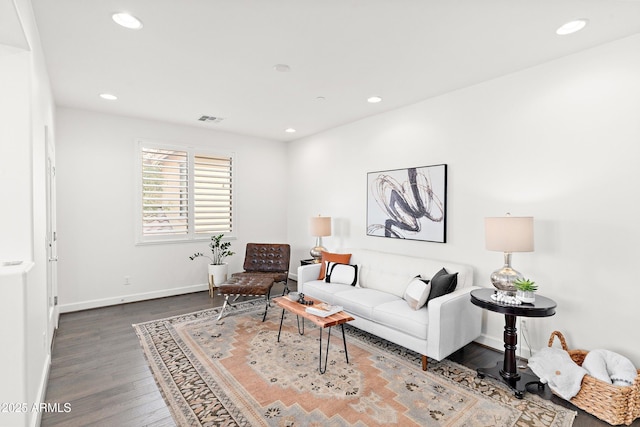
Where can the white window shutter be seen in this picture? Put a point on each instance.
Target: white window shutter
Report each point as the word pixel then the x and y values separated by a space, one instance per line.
pixel 213 191
pixel 165 192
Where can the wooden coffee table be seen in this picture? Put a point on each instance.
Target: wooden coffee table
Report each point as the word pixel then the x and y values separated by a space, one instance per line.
pixel 298 309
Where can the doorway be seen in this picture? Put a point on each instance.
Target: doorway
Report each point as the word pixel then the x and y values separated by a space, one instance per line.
pixel 52 252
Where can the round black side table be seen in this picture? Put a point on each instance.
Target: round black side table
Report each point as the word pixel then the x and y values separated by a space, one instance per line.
pixel 542 307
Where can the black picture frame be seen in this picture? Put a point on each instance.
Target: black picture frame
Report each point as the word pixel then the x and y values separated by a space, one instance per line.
pixel 409 203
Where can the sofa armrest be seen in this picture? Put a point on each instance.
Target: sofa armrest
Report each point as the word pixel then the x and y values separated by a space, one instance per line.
pixel 307 273
pixel 453 323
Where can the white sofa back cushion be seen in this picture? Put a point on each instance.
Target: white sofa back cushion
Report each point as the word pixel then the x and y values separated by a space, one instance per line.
pixel 392 273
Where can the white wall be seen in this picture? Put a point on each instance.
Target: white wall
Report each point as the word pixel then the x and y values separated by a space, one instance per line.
pixel 15 154
pixel 26 108
pixel 96 156
pixel 559 142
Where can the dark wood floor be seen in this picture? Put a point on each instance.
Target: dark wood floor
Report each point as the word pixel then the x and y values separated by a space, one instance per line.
pixel 99 368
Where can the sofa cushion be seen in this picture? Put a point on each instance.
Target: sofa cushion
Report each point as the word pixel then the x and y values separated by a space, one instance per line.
pixel 392 272
pixel 341 273
pixel 417 292
pixel 397 315
pixel 324 291
pixel 385 272
pixel 361 301
pixel 442 283
pixel 328 256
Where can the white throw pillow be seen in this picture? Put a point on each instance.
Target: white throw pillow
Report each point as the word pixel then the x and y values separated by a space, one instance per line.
pixel 417 292
pixel 345 274
pixel 610 367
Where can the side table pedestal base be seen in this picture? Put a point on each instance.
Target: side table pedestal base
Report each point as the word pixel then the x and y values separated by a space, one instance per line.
pixel 518 384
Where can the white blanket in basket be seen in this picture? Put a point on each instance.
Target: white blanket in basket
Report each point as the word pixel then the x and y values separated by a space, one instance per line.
pixel 555 367
pixel 610 367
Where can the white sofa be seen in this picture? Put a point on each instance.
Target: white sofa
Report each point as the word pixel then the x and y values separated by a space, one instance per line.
pixel 445 325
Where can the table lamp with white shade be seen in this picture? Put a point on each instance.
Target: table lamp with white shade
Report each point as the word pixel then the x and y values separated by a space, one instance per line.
pixel 508 234
pixel 319 226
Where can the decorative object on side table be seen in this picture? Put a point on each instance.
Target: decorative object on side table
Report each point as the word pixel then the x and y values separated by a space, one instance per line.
pixel 218 269
pixel 505 298
pixel 508 234
pixel 526 290
pixel 319 227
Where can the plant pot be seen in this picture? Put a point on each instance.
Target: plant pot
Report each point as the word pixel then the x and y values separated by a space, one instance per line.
pixel 526 296
pixel 217 274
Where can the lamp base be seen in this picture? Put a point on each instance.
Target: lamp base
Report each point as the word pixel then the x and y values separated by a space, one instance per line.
pixel 503 279
pixel 316 253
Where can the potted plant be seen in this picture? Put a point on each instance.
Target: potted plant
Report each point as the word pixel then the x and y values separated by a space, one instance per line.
pixel 525 290
pixel 218 268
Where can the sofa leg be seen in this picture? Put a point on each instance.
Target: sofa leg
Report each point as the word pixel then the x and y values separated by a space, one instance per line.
pixel 424 362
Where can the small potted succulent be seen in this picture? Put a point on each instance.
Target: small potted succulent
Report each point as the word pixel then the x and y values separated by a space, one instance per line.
pixel 525 290
pixel 218 269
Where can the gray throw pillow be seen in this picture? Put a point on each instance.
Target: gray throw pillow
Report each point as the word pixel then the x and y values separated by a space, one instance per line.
pixel 442 283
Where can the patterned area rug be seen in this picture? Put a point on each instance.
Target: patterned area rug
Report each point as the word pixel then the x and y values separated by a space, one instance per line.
pixel 234 372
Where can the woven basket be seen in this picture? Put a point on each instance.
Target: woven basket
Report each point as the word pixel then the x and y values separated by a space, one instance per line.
pixel 613 404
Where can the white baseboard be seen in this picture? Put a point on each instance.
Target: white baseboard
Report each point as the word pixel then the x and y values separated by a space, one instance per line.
pixel 491 342
pixel 85 305
pixel 498 344
pixel 36 417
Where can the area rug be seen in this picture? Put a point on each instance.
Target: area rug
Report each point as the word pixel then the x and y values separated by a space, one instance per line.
pixel 234 372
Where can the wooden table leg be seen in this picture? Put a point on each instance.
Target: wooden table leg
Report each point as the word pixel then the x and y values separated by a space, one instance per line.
pixel 509 371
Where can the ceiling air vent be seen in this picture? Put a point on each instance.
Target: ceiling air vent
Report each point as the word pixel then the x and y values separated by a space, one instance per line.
pixel 210 119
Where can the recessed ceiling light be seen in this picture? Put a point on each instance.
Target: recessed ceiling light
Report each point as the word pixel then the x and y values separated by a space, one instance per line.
pixel 108 96
pixel 320 98
pixel 127 21
pixel 571 27
pixel 374 99
pixel 282 68
pixel 290 130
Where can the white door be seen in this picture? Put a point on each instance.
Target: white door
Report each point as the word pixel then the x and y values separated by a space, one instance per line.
pixel 52 253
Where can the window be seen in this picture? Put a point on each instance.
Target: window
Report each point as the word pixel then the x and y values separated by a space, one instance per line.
pixel 185 193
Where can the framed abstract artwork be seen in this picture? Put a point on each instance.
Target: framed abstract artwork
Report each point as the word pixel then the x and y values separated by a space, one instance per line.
pixel 408 203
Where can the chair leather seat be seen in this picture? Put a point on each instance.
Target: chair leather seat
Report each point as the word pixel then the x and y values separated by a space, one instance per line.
pixel 247 285
pixel 276 276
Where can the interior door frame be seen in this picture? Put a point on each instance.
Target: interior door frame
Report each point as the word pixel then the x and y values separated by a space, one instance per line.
pixel 53 312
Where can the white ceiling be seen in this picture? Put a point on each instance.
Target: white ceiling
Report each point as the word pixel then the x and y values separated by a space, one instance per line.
pixel 216 57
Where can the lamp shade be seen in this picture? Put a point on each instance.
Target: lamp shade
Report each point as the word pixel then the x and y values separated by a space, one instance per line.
pixel 509 233
pixel 320 226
